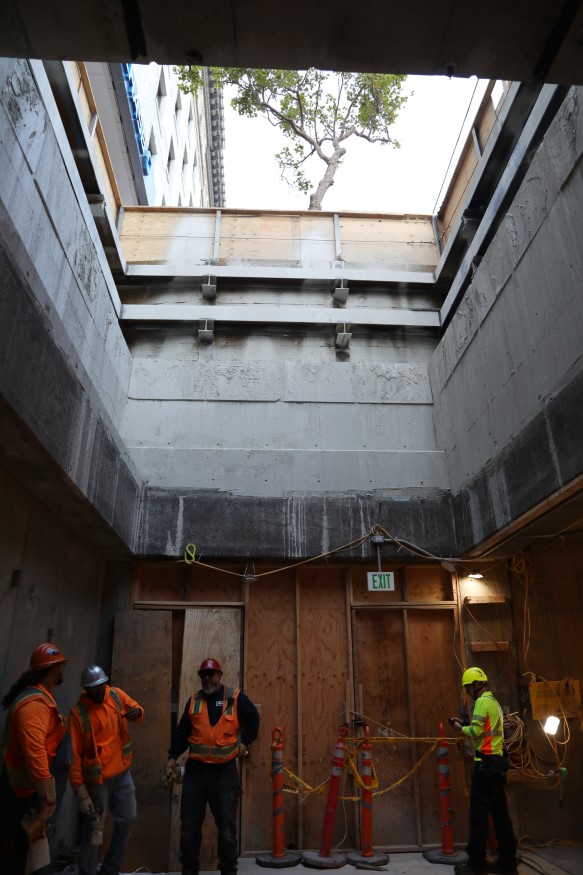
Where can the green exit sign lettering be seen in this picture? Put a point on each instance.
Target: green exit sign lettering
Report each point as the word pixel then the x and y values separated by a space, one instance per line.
pixel 381 581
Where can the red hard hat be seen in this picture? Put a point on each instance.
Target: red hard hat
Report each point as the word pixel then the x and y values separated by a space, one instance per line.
pixel 46 655
pixel 211 664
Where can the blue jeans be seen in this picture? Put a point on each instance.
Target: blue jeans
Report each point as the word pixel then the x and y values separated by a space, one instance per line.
pixel 118 796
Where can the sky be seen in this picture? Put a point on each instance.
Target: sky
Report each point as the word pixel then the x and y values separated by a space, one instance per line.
pixel 372 178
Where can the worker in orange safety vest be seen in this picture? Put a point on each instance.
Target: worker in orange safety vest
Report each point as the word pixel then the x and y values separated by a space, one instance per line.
pixel 33 732
pixel 100 769
pixel 218 725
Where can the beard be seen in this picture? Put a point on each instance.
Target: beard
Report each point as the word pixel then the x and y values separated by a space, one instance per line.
pixel 209 688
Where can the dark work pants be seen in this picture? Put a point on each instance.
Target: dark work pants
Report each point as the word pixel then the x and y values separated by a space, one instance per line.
pixel 488 797
pixel 217 784
pixel 13 839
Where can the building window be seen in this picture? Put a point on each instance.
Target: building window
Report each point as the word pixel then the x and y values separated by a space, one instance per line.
pixel 171 159
pixel 162 89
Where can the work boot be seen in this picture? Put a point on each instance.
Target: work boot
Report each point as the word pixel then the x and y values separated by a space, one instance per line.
pixel 466 869
pixel 497 869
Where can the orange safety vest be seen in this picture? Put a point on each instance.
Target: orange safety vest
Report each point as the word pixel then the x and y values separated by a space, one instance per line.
pixel 19 779
pixel 91 764
pixel 214 744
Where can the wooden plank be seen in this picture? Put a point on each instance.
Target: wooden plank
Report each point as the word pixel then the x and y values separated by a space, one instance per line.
pixel 431 657
pixel 324 672
pixel 428 583
pixel 488 646
pixel 414 753
pixel 144 672
pixel 380 667
pixel 300 722
pixel 157 583
pixel 485 600
pixel 212 632
pixel 206 584
pixel 174 606
pixel 270 667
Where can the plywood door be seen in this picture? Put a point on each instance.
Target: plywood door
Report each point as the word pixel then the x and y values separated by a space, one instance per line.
pixel 406 670
pixel 323 657
pixel 271 682
pixel 142 666
pixel 381 684
pixel 212 632
pixel 435 695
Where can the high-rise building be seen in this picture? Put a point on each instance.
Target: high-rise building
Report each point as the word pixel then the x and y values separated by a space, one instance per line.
pixel 165 146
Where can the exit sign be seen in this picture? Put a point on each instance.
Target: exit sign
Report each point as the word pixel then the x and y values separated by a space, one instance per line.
pixel 381 581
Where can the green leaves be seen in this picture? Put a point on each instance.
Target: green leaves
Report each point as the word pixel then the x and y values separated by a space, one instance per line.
pixel 314 108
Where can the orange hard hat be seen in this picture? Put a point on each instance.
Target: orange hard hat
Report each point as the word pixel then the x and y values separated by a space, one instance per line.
pixel 46 655
pixel 210 665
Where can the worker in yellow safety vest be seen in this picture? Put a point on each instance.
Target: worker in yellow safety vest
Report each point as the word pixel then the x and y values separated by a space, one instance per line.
pixel 33 733
pixel 487 792
pixel 218 725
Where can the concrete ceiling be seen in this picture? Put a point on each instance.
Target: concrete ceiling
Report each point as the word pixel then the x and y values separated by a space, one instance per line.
pixel 522 41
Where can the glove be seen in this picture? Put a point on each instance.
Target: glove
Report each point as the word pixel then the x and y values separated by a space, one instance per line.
pixel 84 801
pixel 48 798
pixel 171 776
pixel 96 833
pixel 171 773
pixel 132 713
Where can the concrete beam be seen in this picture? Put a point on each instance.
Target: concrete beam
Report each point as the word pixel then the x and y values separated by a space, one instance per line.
pixel 276 314
pixel 327 277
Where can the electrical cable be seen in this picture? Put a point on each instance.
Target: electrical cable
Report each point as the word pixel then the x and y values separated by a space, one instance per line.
pixel 455 147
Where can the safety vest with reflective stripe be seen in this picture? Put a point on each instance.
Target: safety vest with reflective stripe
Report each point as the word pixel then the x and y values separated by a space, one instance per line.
pixel 218 743
pixel 91 765
pixel 487 727
pixel 18 777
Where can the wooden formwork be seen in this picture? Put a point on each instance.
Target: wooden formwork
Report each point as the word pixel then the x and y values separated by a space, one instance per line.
pixel 314 649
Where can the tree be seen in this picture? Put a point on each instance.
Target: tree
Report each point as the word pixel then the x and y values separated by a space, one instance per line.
pixel 317 110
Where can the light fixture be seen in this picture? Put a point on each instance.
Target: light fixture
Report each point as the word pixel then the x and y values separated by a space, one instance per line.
pixel 551 725
pixel 475 574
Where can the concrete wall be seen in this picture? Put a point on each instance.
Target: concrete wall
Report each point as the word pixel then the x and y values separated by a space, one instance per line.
pixel 64 364
pixel 507 377
pixel 275 445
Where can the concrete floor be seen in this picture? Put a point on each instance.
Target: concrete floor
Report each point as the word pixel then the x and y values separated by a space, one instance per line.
pixel 557 860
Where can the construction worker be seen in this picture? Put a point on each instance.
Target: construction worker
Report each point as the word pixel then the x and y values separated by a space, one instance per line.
pixel 487 792
pixel 100 769
pixel 33 733
pixel 218 725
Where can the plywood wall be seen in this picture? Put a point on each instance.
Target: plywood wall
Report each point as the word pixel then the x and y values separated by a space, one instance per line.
pixel 320 651
pixel 141 666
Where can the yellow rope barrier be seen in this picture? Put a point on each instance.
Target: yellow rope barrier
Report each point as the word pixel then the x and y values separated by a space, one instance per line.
pixel 321 789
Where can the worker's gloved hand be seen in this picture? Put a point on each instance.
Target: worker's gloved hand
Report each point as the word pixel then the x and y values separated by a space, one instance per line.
pixel 171 773
pixel 243 750
pixel 48 798
pixel 456 723
pixel 133 713
pixel 34 826
pixel 84 801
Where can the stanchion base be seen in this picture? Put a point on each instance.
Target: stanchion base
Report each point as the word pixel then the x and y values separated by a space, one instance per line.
pixel 437 856
pixel 374 860
pixel 313 858
pixel 278 862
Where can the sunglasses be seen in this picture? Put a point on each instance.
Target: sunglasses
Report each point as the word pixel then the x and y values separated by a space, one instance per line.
pixel 206 673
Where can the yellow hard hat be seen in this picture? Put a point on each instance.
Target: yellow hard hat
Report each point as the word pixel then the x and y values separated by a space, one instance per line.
pixel 473 674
